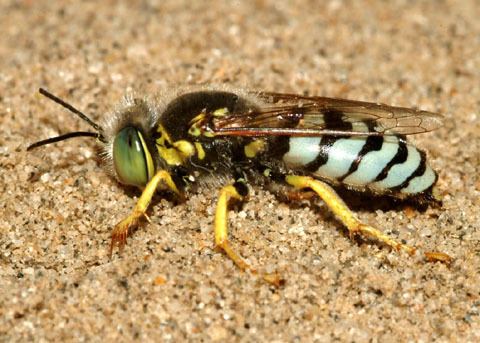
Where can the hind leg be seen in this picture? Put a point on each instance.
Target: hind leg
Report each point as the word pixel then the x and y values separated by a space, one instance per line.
pixel 347 217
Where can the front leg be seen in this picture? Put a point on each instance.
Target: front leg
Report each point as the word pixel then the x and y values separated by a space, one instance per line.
pixel 121 230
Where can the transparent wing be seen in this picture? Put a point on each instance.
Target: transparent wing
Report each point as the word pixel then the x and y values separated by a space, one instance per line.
pixel 297 115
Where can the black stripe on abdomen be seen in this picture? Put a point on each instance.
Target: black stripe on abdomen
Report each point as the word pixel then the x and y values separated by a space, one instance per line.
pixel 418 172
pixel 400 157
pixel 333 121
pixel 373 143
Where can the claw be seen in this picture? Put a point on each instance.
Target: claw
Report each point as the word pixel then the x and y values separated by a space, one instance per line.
pixel 147 218
pixel 275 279
pixel 436 256
pixel 121 230
pixel 355 231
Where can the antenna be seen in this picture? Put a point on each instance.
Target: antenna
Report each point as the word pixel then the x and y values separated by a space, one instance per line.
pixel 99 134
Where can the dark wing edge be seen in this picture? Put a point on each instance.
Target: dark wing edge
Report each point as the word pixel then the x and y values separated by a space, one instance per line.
pixel 298 115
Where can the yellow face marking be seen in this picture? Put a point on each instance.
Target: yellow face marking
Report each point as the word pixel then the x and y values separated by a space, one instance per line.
pixel 254 147
pixel 200 151
pixel 148 156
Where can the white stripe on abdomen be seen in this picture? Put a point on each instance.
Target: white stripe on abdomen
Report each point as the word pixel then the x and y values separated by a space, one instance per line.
pixel 373 163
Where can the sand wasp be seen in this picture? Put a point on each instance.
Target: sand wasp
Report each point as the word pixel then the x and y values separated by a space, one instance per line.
pixel 263 138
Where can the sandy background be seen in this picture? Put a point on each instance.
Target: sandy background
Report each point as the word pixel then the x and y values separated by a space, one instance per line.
pixel 57 206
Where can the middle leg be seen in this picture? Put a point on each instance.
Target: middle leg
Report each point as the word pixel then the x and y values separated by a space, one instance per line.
pixel 235 191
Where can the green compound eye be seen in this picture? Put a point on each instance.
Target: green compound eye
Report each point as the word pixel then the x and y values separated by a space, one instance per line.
pixel 133 162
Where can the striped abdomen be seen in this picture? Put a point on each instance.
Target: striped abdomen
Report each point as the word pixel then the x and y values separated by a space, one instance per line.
pixel 383 164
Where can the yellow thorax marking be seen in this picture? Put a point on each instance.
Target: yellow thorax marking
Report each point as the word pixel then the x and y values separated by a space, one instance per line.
pixel 174 153
pixel 200 151
pixel 194 129
pixel 196 123
pixel 197 118
pixel 254 147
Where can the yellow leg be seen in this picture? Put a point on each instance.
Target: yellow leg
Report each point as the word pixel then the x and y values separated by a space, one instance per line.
pixel 236 191
pixel 345 215
pixel 120 232
pixel 221 225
